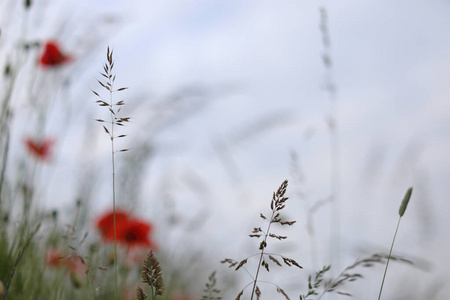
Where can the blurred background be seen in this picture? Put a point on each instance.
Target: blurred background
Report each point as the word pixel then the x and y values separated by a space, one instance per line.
pixel 349 101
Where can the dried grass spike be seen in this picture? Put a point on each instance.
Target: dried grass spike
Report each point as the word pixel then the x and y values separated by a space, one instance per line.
pixel 281 291
pixel 274 260
pixel 241 264
pixel 141 295
pixel 210 292
pixel 151 273
pixel 258 293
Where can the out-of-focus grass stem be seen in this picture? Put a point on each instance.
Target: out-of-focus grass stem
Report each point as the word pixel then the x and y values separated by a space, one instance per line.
pixel 401 212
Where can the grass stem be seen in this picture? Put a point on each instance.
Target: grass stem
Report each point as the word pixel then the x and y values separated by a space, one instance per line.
pixel 401 212
pixel 262 255
pixel 114 201
pixel 389 258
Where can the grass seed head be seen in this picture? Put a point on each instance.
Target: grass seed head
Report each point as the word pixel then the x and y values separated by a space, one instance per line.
pixel 402 209
pixel 151 273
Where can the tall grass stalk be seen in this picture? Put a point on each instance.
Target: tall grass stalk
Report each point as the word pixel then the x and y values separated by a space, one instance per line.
pixel 401 212
pixel 332 122
pixel 115 120
pixel 113 178
pixel 276 205
pixel 12 70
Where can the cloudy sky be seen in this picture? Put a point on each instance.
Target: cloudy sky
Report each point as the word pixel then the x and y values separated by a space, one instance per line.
pixel 230 97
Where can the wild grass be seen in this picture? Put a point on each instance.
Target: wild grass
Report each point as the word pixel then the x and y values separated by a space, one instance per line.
pixel 277 204
pixel 152 276
pixel 151 270
pixel 401 212
pixel 114 110
pixel 44 255
pixel 210 292
pixel 19 258
pixel 332 119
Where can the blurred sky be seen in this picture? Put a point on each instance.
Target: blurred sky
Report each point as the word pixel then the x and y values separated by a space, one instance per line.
pixel 226 93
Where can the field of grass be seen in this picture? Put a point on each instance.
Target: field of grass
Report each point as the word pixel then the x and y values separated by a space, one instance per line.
pixel 80 219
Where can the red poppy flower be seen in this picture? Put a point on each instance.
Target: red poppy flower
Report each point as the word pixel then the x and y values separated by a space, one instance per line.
pixel 130 232
pixel 53 56
pixel 106 224
pixel 134 233
pixel 41 149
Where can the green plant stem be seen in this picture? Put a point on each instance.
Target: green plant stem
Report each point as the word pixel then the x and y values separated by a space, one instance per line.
pixel 90 285
pixel 5 116
pixel 19 257
pixel 5 113
pixel 389 257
